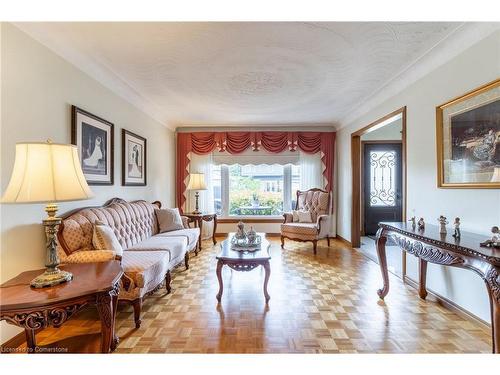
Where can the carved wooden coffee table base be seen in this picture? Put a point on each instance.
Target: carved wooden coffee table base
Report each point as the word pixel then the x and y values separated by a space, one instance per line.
pixel 243 261
pixel 431 246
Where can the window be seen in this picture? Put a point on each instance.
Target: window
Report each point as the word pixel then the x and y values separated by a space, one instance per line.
pixel 382 178
pixel 254 190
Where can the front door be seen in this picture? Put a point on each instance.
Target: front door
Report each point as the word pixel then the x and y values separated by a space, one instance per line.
pixel 382 184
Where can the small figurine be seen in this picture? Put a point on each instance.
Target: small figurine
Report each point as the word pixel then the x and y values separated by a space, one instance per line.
pixel 442 224
pixel 495 238
pixel 421 224
pixel 413 221
pixel 456 225
pixel 252 236
pixel 240 233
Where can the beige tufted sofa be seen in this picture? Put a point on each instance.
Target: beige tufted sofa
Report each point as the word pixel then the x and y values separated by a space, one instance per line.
pixel 148 255
pixel 317 202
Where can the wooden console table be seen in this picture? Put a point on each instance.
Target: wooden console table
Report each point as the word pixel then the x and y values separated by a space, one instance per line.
pixel 32 309
pixel 198 220
pixel 431 246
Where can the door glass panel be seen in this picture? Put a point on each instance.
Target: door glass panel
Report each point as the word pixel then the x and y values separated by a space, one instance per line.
pixel 382 178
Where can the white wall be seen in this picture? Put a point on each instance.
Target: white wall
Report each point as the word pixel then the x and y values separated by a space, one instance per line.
pixel 37 91
pixel 388 132
pixel 479 209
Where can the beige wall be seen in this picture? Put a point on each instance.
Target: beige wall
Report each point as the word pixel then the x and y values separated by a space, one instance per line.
pixel 37 91
pixel 479 209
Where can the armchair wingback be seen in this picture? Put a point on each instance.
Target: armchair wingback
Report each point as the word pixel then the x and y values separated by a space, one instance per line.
pixel 317 202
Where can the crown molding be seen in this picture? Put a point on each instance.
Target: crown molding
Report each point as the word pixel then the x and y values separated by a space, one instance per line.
pixel 455 43
pixel 97 71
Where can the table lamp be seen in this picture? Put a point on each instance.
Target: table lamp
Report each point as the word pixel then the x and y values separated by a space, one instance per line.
pixel 47 173
pixel 197 183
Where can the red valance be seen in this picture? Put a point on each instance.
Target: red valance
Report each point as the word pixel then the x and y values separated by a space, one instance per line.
pixel 237 142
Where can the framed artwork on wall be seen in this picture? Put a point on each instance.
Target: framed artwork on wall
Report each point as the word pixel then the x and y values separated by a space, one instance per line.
pixel 134 156
pixel 468 139
pixel 94 138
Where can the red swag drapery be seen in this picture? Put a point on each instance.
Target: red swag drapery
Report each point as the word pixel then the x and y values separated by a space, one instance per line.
pixel 236 142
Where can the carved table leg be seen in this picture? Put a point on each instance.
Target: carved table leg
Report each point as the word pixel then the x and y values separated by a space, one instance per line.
pixel 493 285
pixel 382 260
pixel 30 338
pixel 215 230
pixel 219 278
pixel 200 225
pixel 105 308
pixel 422 277
pixel 116 339
pixel 267 268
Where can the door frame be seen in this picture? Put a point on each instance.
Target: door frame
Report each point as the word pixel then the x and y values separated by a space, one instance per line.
pixel 356 160
pixel 362 180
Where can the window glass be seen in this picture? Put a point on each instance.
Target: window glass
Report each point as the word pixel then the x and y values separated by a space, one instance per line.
pixel 382 178
pixel 255 189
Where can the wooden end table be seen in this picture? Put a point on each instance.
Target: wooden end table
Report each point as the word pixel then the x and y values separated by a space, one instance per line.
pixel 198 220
pixel 244 261
pixel 32 309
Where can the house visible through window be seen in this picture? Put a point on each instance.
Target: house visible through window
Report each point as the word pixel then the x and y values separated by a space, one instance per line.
pixel 254 190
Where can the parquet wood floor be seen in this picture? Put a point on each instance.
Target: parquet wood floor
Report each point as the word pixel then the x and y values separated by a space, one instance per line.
pixel 319 304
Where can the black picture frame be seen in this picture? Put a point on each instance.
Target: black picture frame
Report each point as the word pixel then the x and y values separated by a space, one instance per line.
pixel 134 160
pixel 94 139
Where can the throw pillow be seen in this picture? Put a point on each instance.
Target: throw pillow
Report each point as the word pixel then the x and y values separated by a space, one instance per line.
pixel 305 217
pixel 169 219
pixel 295 215
pixel 103 238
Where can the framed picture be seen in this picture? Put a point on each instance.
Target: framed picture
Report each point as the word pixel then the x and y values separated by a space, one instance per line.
pixel 94 138
pixel 134 155
pixel 468 139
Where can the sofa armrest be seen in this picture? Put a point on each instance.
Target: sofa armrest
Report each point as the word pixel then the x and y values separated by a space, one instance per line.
pixel 288 217
pixel 185 222
pixel 91 256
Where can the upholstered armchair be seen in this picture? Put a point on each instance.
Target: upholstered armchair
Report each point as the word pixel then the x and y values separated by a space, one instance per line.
pixel 316 202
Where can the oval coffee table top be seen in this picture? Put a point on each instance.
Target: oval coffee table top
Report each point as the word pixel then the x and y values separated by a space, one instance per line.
pixel 88 278
pixel 229 254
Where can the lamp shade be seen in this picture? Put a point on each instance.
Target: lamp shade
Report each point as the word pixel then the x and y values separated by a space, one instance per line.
pixel 46 172
pixel 197 182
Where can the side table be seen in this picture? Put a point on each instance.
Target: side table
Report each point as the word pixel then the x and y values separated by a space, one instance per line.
pixel 198 220
pixel 32 309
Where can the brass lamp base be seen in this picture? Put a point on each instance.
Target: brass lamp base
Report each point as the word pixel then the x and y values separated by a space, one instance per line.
pixel 52 275
pixel 51 278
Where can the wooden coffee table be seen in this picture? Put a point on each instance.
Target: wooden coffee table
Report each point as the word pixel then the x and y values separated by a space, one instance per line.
pixel 244 261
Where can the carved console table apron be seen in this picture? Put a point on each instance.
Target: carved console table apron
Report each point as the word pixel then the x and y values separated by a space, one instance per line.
pixel 32 309
pixel 431 246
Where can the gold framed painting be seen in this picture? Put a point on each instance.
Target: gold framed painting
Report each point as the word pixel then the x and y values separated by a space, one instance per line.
pixel 468 139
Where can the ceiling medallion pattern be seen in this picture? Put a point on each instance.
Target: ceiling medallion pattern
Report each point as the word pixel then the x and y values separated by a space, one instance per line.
pixel 249 72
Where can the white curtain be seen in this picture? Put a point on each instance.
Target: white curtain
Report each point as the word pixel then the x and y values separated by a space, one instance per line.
pixel 202 164
pixel 311 171
pixel 311 176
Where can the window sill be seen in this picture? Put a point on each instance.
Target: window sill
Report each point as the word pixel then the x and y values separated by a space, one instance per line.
pixel 250 219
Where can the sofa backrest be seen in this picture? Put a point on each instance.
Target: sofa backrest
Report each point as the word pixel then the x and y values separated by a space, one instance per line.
pixel 132 222
pixel 316 201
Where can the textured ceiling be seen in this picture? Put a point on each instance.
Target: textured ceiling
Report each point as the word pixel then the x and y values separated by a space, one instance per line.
pixel 246 73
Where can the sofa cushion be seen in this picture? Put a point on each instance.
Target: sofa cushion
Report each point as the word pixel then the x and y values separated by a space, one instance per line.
pixel 131 223
pixel 145 268
pixel 104 238
pixel 191 234
pixel 169 219
pixel 175 246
